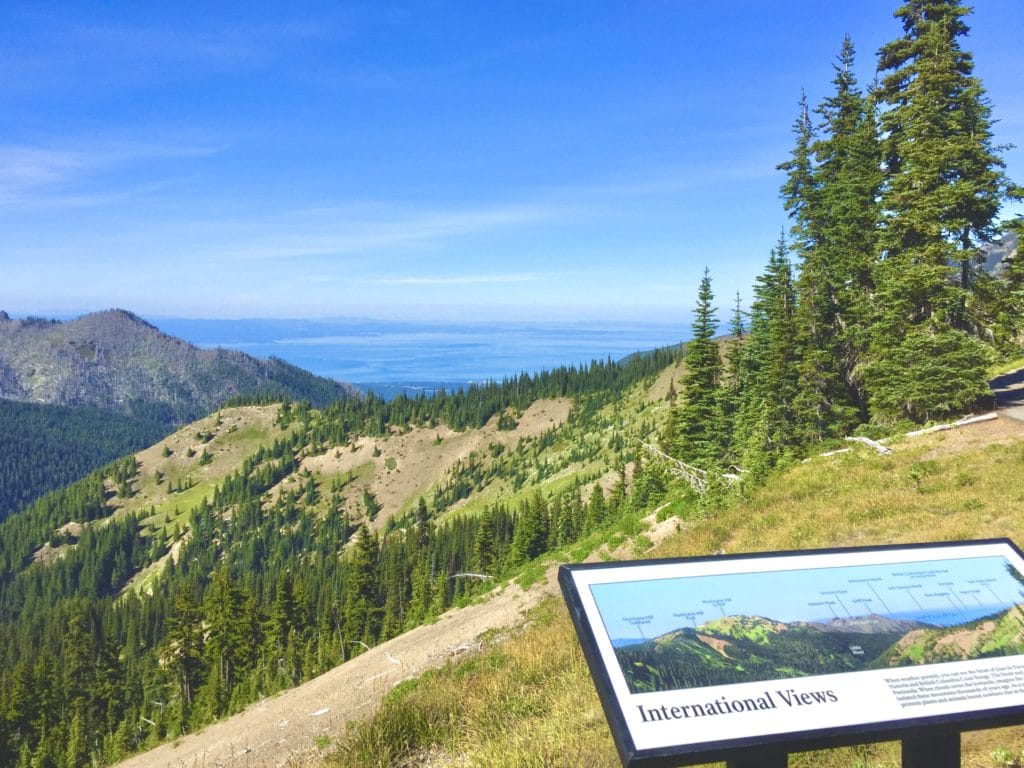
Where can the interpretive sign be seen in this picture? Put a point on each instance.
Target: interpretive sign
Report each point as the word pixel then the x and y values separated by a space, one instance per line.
pixel 700 659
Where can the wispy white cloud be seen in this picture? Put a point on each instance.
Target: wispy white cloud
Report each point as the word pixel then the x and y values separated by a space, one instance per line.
pixel 52 177
pixel 23 167
pixel 668 182
pixel 365 228
pixel 443 280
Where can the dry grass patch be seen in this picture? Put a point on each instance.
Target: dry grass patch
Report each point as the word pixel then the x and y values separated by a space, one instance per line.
pixel 527 701
pixel 942 487
pixel 405 465
pixel 228 436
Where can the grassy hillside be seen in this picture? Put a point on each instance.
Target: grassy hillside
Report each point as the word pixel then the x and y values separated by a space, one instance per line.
pixel 76 395
pixel 529 701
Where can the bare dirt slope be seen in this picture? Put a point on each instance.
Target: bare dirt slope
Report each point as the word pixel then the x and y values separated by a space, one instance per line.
pixel 285 730
pixel 403 466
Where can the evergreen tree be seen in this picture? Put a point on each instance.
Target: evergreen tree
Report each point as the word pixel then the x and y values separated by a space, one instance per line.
pixel 943 189
pixel 800 190
pixel 484 544
pixel 419 600
pixel 531 533
pixel 76 751
pixel 226 641
pixel 439 595
pixel 283 614
pixel 849 179
pixel 45 755
pixel 184 645
pixel 76 657
pixel 361 612
pixel 698 423
pixel 596 510
pixel 421 527
pixel 767 422
pixel 831 191
pixel 730 393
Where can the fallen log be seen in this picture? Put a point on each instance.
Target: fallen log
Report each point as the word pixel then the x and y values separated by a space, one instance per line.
pixel 879 448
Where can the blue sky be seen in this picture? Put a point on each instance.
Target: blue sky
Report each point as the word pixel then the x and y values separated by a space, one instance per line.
pixel 417 160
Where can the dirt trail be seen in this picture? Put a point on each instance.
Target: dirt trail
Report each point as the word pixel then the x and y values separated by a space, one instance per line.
pixel 284 730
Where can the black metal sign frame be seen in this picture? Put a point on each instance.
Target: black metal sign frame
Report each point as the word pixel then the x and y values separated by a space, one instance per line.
pixel 703 659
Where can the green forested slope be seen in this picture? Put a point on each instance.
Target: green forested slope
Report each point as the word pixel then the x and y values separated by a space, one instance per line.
pixel 76 395
pixel 44 447
pixel 236 559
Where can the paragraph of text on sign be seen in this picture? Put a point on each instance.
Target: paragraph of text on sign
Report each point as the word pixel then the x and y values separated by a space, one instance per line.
pixel 962 685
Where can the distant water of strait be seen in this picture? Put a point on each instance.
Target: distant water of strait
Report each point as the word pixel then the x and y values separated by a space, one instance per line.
pixel 388 357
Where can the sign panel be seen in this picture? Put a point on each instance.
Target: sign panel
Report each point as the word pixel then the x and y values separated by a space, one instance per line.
pixel 700 659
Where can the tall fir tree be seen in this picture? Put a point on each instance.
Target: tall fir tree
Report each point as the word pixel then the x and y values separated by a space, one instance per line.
pixel 698 434
pixel 848 158
pixel 799 190
pixel 226 641
pixel 943 189
pixel 730 393
pixel 184 648
pixel 766 426
pixel 362 614
pixel 531 532
pixel 831 190
pixel 484 545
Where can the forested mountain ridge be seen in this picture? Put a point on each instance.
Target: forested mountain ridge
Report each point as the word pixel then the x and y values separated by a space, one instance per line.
pixel 264 544
pixel 747 648
pixel 75 395
pixel 117 361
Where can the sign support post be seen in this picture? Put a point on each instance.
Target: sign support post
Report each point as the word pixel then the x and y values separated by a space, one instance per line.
pixel 760 758
pixel 933 748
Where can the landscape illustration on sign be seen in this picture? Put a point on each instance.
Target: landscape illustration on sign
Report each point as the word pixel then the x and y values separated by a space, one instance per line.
pixel 697 631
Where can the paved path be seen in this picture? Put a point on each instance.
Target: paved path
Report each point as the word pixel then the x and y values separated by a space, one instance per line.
pixel 1008 390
